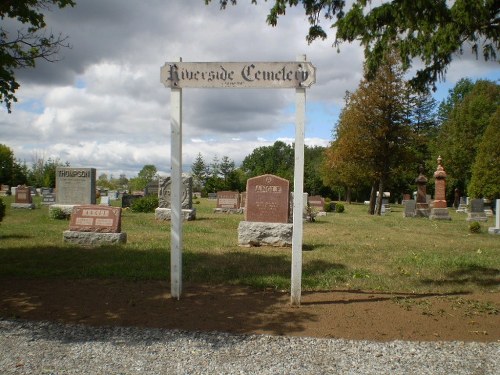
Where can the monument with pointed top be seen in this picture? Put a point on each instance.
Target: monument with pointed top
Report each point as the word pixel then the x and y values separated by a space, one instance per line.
pixel 439 209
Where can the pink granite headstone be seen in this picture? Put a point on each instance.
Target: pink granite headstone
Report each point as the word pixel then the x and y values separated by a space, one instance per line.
pixel 268 199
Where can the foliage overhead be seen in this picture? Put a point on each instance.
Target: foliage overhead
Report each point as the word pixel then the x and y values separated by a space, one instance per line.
pixel 429 30
pixel 31 42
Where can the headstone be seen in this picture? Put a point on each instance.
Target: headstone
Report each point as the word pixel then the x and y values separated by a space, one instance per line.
pixel 113 195
pixel 228 202
pixel 422 207
pixel 74 186
pixel 243 199
pixel 317 201
pixel 410 206
pixel 268 198
pixel 163 212
pixel 267 213
pixel 104 200
pixel 4 190
pixel 212 195
pixel 462 206
pixel 496 228
pixel 95 225
pixel 476 212
pixel 48 198
pixel 406 197
pixel 440 207
pixel 152 188
pixel 23 198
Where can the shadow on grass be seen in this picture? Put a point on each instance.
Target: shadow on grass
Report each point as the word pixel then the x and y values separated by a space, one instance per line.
pixel 473 274
pixel 118 286
pixel 14 237
pixel 373 296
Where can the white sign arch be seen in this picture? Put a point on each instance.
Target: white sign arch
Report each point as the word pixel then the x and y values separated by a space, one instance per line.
pixel 299 74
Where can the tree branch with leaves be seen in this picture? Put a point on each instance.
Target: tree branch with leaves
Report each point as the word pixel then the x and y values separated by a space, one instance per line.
pixel 31 42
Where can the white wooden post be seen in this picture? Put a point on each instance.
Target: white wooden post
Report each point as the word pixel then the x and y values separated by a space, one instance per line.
pixel 176 184
pixel 298 194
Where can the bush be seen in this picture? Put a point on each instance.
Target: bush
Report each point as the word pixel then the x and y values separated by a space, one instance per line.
pixel 2 209
pixel 475 227
pixel 145 204
pixel 339 207
pixel 329 206
pixel 57 213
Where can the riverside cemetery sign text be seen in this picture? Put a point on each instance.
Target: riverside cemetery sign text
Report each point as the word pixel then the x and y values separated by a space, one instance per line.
pixel 238 74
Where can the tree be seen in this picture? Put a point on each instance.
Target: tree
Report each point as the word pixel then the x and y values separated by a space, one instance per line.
pixel 374 137
pixel 485 181
pixel 23 48
pixel 199 172
pixel 461 135
pixel 12 172
pixel 429 30
pixel 277 159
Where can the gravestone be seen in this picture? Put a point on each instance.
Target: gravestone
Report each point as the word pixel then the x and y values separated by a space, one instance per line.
pixel 95 225
pixel 496 228
pixel 212 195
pixel 422 206
pixel 406 197
pixel 74 186
pixel 317 201
pixel 113 195
pixel 48 198
pixel 243 200
pixel 104 201
pixel 152 188
pixel 476 212
pixel 4 190
pixel 23 198
pixel 228 202
pixel 410 207
pixel 439 209
pixel 267 213
pixel 462 206
pixel 164 212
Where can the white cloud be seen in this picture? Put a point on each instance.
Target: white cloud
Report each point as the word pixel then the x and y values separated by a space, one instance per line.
pixel 103 105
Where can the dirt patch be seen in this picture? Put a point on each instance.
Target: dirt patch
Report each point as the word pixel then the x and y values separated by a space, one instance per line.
pixel 332 314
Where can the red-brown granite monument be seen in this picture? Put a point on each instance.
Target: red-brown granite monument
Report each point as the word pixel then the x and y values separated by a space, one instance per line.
pixel 440 208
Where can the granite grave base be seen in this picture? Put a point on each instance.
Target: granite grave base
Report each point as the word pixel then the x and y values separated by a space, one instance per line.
pixel 439 214
pixel 494 230
pixel 93 239
pixel 165 214
pixel 228 210
pixel 27 206
pixel 252 233
pixel 476 216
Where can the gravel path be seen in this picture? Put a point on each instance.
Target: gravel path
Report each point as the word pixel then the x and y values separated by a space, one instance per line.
pixel 48 348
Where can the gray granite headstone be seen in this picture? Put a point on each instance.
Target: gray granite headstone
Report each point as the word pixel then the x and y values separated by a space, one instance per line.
pixel 476 211
pixel 410 208
pixel 75 186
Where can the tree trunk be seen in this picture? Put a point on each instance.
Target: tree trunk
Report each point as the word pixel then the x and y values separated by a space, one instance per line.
pixel 371 209
pixel 348 195
pixel 380 196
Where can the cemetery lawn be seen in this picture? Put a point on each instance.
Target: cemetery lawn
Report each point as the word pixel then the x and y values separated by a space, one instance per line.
pixel 364 277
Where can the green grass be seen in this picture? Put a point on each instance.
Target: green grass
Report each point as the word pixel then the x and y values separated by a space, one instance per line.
pixel 352 250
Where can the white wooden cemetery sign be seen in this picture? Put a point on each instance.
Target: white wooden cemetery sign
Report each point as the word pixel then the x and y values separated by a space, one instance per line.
pixel 299 74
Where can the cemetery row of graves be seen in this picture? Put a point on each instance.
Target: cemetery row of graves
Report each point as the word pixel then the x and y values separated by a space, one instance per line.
pixel 244 238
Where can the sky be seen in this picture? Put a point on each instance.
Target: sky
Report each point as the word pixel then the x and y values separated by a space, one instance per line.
pixel 102 105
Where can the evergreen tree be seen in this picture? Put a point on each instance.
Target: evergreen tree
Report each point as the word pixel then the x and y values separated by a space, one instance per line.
pixel 485 181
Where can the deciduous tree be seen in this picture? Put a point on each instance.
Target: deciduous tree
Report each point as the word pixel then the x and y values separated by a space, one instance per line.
pixel 31 41
pixel 429 30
